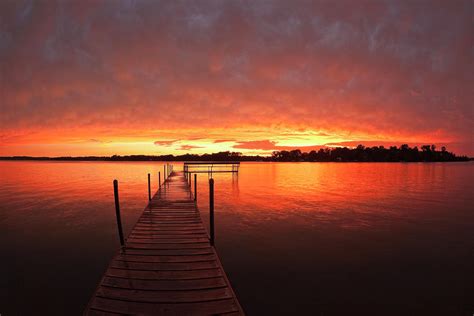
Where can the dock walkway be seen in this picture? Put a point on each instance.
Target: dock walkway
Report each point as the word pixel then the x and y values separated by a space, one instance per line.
pixel 167 266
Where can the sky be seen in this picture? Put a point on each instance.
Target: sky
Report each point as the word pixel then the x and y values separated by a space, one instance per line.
pixel 173 77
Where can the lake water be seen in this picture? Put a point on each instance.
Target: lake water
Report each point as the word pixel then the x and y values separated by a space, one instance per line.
pixel 294 238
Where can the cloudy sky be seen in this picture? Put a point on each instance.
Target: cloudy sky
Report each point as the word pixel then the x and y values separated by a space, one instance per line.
pixel 153 77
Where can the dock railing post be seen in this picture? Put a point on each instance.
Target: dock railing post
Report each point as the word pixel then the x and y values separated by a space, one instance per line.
pixel 149 188
pixel 117 213
pixel 159 180
pixel 164 173
pixel 211 209
pixel 195 187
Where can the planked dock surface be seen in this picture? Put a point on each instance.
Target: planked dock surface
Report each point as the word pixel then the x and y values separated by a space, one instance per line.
pixel 167 266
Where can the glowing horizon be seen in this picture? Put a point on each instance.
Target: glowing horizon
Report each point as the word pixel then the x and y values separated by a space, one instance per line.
pixel 104 78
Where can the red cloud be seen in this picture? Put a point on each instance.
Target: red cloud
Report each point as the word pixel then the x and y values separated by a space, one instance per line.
pixel 189 147
pixel 223 141
pixel 165 142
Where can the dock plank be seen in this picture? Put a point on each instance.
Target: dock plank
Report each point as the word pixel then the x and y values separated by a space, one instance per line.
pixel 167 266
pixel 138 308
pixel 170 285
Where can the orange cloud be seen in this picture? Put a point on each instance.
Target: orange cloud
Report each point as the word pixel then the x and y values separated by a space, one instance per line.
pixel 257 144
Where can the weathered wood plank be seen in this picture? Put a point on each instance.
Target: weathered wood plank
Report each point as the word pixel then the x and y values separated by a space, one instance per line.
pixel 184 296
pixel 164 275
pixel 142 258
pixel 158 224
pixel 163 266
pixel 135 245
pixel 170 285
pixel 169 252
pixel 201 308
pixel 168 232
pixel 161 240
pixel 164 228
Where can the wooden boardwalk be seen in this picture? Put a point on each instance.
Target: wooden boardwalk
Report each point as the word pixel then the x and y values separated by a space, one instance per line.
pixel 167 266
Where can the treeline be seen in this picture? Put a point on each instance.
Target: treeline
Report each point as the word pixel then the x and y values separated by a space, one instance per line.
pixel 426 153
pixel 404 153
pixel 220 156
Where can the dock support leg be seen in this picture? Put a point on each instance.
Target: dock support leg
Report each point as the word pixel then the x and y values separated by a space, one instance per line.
pixel 159 180
pixel 149 188
pixel 211 209
pixel 117 213
pixel 195 187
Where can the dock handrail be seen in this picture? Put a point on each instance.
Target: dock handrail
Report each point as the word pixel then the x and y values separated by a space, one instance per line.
pixel 211 166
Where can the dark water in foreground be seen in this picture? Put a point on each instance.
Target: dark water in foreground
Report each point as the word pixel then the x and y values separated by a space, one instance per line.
pixel 294 238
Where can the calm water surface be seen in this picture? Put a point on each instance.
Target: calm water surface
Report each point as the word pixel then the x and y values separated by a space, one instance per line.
pixel 294 238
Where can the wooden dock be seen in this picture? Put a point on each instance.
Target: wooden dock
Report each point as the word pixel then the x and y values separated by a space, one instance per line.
pixel 167 265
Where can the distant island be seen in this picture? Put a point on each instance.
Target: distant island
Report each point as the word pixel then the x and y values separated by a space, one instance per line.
pixel 404 153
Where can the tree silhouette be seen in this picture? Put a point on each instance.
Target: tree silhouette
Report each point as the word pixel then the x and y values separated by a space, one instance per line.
pixel 361 153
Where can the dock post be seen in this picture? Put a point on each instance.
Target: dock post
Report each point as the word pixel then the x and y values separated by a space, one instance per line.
pixel 149 188
pixel 195 187
pixel 117 213
pixel 211 209
pixel 164 173
pixel 159 180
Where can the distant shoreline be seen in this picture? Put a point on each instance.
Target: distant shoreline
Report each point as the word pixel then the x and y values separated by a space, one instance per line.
pixel 404 153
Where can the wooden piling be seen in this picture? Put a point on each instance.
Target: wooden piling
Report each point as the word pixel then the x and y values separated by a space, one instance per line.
pixel 117 213
pixel 195 187
pixel 149 188
pixel 211 210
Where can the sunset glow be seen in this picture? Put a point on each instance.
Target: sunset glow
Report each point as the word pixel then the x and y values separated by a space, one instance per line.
pixel 119 77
